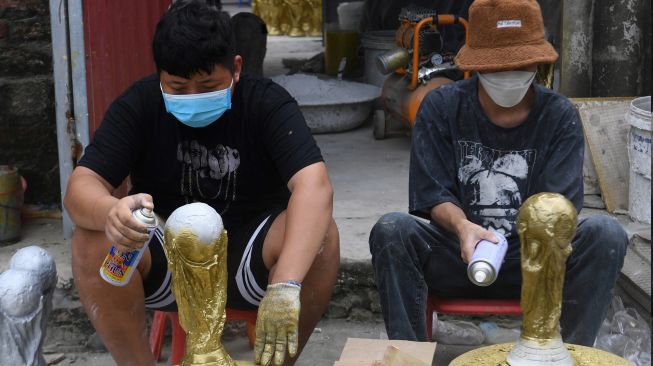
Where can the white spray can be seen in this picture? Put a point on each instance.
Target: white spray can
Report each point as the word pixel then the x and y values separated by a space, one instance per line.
pixel 485 264
pixel 118 267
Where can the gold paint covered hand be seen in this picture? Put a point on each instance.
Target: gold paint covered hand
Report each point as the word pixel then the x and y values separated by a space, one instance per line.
pixel 277 324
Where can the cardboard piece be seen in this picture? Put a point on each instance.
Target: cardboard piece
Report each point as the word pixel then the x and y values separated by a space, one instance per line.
pixel 364 352
pixel 394 357
pixel 606 133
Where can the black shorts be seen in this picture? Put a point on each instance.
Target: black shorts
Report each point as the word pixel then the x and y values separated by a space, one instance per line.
pixel 247 275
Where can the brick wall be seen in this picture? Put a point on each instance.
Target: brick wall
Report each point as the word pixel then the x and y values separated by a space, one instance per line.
pixel 27 109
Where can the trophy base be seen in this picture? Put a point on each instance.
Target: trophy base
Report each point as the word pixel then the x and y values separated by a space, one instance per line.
pixel 496 355
pixel 533 353
pixel 239 363
pixel 219 357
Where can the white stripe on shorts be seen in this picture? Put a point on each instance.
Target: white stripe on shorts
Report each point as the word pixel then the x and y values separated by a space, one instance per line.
pixel 247 286
pixel 163 296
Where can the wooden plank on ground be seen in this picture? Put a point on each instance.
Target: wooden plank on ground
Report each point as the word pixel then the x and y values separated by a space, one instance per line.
pixel 606 132
pixel 370 350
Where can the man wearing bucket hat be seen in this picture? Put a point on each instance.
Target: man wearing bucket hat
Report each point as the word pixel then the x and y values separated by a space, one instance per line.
pixel 480 148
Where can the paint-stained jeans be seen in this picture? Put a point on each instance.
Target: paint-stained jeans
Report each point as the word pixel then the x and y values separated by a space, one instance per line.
pixel 412 258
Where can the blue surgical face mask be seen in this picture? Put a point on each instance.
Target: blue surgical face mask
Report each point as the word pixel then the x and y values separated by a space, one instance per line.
pixel 198 110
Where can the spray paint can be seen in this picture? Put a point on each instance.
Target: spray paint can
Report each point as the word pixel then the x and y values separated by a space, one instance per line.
pixel 485 264
pixel 118 267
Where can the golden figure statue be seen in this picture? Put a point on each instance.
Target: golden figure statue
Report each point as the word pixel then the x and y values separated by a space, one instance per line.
pixel 315 15
pixel 546 224
pixel 295 13
pixel 295 18
pixel 275 11
pixel 196 246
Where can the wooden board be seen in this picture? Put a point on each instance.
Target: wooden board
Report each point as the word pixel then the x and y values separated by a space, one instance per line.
pixel 606 133
pixel 394 357
pixel 590 179
pixel 370 350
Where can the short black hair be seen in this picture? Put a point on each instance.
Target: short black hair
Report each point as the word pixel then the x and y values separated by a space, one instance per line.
pixel 193 36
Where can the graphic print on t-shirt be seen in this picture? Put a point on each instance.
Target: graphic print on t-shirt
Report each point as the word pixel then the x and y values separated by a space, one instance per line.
pixel 208 173
pixel 495 183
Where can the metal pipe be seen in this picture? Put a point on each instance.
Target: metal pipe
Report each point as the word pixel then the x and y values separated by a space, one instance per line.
pixel 391 60
pixel 78 67
pixel 444 19
pixel 63 99
pixel 69 67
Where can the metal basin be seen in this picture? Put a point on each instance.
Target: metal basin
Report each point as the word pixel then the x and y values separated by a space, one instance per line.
pixel 330 105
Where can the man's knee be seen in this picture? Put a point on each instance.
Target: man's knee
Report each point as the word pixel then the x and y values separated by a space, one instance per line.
pixel 389 230
pixel 604 237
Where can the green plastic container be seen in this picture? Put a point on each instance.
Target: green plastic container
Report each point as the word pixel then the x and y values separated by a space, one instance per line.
pixel 341 44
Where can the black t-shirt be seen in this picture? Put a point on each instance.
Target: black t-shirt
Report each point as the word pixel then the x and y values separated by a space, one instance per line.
pixel 240 164
pixel 459 156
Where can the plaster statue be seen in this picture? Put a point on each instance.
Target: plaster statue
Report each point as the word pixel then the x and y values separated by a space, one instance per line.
pixel 196 246
pixel 26 289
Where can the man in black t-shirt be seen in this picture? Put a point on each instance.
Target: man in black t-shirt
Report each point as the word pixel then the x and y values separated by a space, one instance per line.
pixel 200 131
pixel 480 148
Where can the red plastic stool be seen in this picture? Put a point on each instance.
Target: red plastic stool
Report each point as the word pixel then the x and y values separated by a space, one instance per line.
pixel 468 306
pixel 248 316
pixel 179 336
pixel 157 333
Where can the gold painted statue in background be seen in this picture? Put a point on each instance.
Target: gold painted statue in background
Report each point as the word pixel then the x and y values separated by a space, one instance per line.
pixel 196 246
pixel 295 18
pixel 295 14
pixel 315 15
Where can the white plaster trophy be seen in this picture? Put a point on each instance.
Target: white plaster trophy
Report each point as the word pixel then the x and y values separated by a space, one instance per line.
pixel 26 289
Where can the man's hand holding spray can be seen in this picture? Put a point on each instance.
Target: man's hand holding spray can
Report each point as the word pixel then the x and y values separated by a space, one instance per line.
pixel 119 266
pixel 485 264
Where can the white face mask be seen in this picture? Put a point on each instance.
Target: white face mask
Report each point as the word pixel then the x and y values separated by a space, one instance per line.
pixel 507 88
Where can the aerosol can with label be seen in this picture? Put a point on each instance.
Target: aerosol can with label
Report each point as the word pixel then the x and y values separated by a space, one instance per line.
pixel 485 264
pixel 118 267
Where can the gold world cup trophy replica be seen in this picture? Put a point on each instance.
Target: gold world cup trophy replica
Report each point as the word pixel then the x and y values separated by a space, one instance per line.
pixel 295 18
pixel 546 224
pixel 196 246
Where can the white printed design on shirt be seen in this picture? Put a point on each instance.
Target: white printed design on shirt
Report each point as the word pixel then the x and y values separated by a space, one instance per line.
pixel 495 183
pixel 208 173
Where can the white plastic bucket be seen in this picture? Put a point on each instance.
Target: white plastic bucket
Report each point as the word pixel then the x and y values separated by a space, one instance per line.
pixel 376 43
pixel 639 156
pixel 350 14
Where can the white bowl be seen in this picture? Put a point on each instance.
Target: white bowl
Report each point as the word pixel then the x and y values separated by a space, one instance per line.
pixel 330 105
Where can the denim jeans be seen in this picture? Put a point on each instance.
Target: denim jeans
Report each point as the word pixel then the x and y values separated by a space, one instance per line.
pixel 412 258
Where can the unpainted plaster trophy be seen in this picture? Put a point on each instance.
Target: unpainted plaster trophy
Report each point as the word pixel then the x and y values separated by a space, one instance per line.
pixel 26 290
pixel 546 224
pixel 195 243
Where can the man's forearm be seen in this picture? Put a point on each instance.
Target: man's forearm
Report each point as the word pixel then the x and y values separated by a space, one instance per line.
pixel 307 220
pixel 449 216
pixel 88 201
